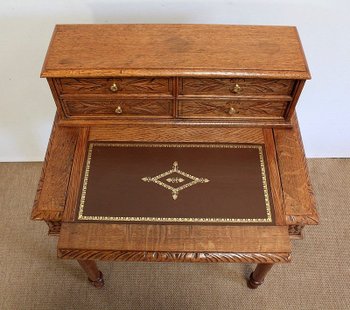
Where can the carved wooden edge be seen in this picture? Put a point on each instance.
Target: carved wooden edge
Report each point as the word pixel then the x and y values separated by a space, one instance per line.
pixel 311 217
pixel 191 122
pixel 299 85
pixel 303 53
pixel 189 257
pixel 141 72
pixel 60 111
pixel 38 214
pixel 307 219
pixel 54 227
pixel 46 215
pixel 296 231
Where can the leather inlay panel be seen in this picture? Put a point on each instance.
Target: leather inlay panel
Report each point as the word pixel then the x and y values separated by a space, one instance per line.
pixel 213 183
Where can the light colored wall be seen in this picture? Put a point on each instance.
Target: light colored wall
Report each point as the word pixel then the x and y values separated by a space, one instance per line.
pixel 27 108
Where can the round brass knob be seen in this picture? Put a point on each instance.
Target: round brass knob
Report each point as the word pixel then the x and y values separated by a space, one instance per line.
pixel 119 110
pixel 114 87
pixel 232 111
pixel 236 89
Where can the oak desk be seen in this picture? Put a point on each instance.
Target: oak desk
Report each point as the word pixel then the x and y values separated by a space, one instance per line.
pixel 165 85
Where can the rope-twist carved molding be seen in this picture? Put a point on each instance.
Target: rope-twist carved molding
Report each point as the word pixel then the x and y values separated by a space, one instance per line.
pixel 144 256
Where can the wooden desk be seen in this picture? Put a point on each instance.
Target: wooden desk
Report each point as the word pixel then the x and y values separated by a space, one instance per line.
pixel 177 84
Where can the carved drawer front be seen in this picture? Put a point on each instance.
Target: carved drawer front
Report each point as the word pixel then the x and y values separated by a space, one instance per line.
pixel 231 109
pixel 235 87
pixel 115 86
pixel 119 108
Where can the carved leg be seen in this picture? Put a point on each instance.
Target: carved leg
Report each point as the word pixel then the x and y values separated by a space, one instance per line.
pixel 95 276
pixel 257 277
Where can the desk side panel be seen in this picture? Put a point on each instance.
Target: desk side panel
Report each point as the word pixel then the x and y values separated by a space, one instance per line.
pixel 275 180
pixel 51 194
pixel 300 206
pixel 76 175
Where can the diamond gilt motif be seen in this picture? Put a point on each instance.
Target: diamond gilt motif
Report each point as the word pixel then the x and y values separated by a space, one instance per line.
pixel 175 180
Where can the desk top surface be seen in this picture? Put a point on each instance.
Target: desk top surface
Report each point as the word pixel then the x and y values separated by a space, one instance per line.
pixel 175 50
pixel 57 199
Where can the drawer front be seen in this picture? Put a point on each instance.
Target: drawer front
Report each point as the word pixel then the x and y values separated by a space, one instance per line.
pixel 231 109
pixel 119 108
pixel 115 86
pixel 235 87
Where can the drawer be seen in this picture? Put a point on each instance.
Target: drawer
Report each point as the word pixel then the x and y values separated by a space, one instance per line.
pixel 119 108
pixel 115 86
pixel 235 87
pixel 231 109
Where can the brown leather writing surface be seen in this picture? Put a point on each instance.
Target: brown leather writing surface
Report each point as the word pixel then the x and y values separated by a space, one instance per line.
pixel 198 183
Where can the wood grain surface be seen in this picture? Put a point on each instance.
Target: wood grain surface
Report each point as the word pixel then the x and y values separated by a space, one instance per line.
pixel 299 85
pixel 173 238
pixel 181 122
pixel 274 174
pixel 226 87
pixel 56 97
pixel 297 191
pixel 54 227
pixel 298 199
pixel 123 86
pixel 51 194
pixel 158 133
pixel 263 67
pixel 76 175
pixel 175 83
pixel 175 50
pixel 98 108
pixel 231 109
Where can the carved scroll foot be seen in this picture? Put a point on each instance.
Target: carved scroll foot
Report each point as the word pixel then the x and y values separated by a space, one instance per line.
pixel 95 276
pixel 257 277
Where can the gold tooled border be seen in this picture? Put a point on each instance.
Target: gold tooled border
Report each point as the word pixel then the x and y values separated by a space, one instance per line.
pixel 81 215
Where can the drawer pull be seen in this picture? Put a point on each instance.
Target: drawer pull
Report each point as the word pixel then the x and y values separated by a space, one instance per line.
pixel 118 110
pixel 232 111
pixel 236 89
pixel 114 87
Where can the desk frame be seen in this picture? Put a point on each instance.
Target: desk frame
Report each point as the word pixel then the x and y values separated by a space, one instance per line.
pixel 56 196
